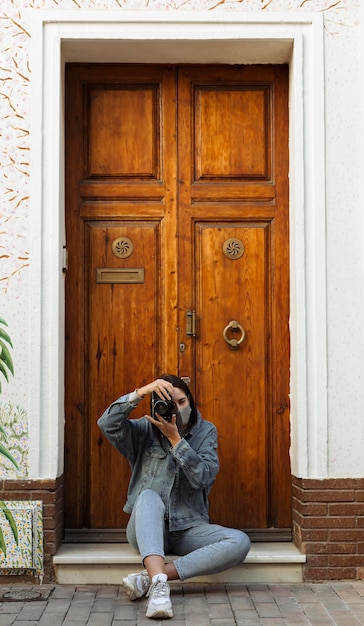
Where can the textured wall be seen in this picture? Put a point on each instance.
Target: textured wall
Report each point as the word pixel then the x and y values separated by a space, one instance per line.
pixel 344 228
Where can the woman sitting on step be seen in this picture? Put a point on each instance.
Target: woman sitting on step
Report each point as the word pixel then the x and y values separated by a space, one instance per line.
pixel 174 461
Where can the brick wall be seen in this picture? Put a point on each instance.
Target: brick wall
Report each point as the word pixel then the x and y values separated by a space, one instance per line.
pixel 328 523
pixel 328 526
pixel 50 492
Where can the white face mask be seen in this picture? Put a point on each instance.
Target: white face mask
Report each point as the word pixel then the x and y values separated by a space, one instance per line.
pixel 183 416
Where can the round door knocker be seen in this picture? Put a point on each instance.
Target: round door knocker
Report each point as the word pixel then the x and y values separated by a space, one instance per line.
pixel 234 327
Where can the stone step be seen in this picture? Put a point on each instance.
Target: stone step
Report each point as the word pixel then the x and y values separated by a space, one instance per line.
pixel 108 563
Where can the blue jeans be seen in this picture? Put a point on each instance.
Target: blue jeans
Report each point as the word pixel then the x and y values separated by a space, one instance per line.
pixel 204 549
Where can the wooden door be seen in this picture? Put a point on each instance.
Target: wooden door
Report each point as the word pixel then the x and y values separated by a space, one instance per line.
pixel 177 211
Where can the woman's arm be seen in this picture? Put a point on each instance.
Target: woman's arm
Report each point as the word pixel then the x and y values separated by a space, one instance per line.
pixel 200 466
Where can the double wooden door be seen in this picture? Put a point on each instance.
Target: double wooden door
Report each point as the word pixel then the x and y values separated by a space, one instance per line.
pixel 177 236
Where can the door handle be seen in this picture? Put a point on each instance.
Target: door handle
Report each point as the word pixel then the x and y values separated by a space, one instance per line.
pixel 234 327
pixel 191 323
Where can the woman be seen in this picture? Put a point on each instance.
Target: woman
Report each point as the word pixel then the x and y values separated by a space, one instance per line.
pixel 174 463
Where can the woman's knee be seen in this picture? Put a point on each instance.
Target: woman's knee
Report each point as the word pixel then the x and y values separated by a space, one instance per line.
pixel 240 545
pixel 151 500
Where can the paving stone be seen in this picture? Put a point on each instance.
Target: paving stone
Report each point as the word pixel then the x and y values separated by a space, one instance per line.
pixel 222 611
pixel 328 604
pixel 7 619
pixel 126 612
pixel 32 611
pixel 100 619
pixel 267 609
pixel 11 607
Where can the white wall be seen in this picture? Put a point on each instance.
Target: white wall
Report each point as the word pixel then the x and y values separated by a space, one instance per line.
pixel 326 209
pixel 344 207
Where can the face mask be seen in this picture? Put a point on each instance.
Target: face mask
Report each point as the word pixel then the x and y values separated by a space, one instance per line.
pixel 183 416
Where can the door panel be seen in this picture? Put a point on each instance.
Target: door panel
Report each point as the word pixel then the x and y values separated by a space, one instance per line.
pixel 120 187
pixel 233 382
pixel 119 144
pixel 234 117
pixel 118 346
pixel 177 200
pixel 236 189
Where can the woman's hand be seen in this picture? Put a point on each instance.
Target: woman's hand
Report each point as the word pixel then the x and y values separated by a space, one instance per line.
pixel 168 429
pixel 164 390
pixel 161 387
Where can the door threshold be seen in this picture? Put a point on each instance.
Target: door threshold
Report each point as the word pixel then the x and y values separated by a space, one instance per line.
pixel 110 535
pixel 95 563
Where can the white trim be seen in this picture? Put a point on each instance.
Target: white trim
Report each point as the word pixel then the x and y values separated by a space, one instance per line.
pixel 153 36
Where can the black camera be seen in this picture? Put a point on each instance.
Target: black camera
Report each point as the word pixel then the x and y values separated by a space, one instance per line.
pixel 164 408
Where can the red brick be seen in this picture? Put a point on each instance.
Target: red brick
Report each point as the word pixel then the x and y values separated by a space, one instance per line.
pixel 330 483
pixel 297 492
pixel 29 485
pixel 310 509
pixel 329 495
pixel 330 548
pixel 326 573
pixel 348 560
pixel 45 496
pixel 15 495
pixel 48 523
pixel 49 535
pixel 328 522
pixel 298 518
pixel 317 560
pixel 314 535
pixel 352 534
pixel 359 496
pixel 349 508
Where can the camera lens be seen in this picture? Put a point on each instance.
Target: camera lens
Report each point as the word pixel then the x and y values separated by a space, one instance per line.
pixel 161 407
pixel 164 408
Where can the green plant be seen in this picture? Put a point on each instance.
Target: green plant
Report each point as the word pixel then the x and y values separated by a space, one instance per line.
pixel 10 519
pixel 6 366
pixel 6 362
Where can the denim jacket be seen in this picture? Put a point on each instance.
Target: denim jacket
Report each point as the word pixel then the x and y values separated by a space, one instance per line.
pixel 182 475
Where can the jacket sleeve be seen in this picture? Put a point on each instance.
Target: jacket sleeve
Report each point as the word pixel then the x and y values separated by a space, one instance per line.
pixel 202 465
pixel 124 434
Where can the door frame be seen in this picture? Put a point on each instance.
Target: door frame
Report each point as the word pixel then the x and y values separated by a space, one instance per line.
pixel 180 37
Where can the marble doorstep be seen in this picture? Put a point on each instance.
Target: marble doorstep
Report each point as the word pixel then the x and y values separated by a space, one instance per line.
pixel 107 563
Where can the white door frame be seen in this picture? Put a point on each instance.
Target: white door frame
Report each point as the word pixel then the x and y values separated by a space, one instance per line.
pixel 180 37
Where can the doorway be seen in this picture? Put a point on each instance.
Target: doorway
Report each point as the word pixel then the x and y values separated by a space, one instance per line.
pixel 177 232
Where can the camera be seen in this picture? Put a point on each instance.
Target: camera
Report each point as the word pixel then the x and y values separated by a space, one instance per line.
pixel 164 408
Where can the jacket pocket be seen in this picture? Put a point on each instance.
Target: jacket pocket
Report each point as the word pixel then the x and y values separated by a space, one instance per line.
pixel 154 461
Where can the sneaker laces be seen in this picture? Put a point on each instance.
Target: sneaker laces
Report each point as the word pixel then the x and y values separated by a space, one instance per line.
pixel 144 580
pixel 159 589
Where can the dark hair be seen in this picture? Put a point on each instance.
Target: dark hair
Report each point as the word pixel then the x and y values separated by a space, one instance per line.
pixel 180 384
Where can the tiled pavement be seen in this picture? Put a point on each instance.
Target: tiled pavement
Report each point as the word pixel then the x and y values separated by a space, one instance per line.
pixel 321 604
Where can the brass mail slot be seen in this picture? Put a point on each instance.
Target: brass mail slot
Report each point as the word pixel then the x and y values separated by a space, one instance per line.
pixel 119 275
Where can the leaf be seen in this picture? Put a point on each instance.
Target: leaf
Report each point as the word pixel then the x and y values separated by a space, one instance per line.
pixel 3 431
pixel 2 542
pixel 4 371
pixel 2 321
pixel 5 336
pixel 11 520
pixel 5 357
pixel 9 456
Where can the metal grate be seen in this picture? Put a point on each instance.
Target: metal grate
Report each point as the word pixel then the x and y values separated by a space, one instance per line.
pixel 233 248
pixel 122 247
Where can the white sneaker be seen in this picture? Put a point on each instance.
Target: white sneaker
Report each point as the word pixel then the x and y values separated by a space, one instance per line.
pixel 159 603
pixel 136 585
